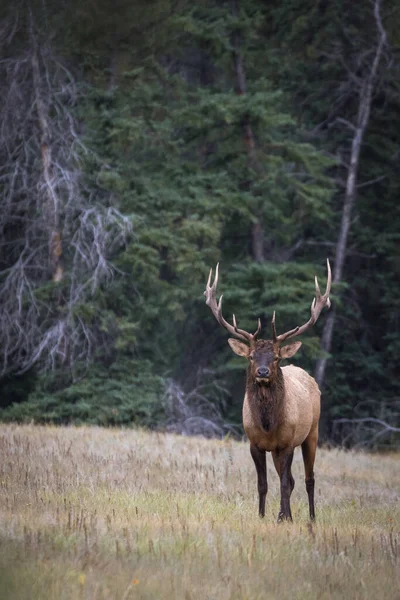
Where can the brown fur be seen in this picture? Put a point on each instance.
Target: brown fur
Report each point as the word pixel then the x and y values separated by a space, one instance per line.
pixel 292 404
pixel 281 406
pixel 280 412
pixel 267 399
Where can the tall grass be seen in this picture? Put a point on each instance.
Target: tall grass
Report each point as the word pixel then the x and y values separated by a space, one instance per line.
pixel 93 513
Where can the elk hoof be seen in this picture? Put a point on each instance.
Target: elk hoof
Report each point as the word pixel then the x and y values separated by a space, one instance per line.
pixel 282 517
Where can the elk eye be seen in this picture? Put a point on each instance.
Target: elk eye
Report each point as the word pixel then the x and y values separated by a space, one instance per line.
pixel 251 357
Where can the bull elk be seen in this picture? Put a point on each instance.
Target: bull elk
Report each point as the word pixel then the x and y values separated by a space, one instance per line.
pixel 281 406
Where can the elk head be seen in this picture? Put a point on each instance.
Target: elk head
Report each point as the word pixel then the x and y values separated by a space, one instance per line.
pixel 265 355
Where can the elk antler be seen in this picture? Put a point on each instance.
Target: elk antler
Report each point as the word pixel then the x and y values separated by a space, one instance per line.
pixel 316 307
pixel 216 307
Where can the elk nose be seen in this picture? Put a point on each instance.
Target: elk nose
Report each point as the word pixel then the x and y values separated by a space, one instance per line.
pixel 262 372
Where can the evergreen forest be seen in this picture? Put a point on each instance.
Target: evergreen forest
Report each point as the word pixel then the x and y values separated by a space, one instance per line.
pixel 143 142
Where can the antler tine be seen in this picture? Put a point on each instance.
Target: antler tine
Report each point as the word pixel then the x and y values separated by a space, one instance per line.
pixel 216 308
pixel 257 333
pixel 317 305
pixel 274 338
pixel 317 290
pixel 328 284
pixel 208 282
pixel 252 335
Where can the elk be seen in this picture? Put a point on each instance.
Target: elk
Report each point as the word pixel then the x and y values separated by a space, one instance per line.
pixel 281 405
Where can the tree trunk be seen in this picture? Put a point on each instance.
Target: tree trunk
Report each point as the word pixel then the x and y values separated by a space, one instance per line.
pixel 52 201
pixel 363 115
pixel 257 233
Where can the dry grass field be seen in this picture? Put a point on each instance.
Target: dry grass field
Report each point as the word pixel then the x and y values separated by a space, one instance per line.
pixel 91 513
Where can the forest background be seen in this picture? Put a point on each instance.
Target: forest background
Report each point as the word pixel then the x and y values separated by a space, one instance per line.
pixel 143 142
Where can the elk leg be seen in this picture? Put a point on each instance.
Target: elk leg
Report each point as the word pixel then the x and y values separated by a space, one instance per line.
pixel 261 467
pixel 283 464
pixel 309 448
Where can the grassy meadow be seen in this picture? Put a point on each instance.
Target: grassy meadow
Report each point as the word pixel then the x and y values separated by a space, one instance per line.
pixel 91 513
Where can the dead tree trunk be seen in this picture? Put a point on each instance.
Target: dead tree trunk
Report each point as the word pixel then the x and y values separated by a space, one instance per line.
pixel 52 201
pixel 362 120
pixel 257 233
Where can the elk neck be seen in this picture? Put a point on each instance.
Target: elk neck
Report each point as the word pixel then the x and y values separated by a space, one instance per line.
pixel 266 400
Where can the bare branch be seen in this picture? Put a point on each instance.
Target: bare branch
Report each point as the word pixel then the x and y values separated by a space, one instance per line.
pixel 342 121
pixel 45 198
pixel 362 120
pixel 193 413
pixel 386 426
pixel 360 430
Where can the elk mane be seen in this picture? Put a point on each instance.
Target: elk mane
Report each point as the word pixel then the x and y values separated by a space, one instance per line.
pixel 266 399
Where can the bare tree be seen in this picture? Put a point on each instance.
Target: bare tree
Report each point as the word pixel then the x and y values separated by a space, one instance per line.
pixel 365 89
pixel 193 413
pixel 58 233
pixel 363 432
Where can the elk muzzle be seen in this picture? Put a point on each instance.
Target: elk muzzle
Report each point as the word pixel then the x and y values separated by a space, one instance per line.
pixel 262 372
pixel 263 375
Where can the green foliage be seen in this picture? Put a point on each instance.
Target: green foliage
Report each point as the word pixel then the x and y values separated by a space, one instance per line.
pixel 160 111
pixel 122 394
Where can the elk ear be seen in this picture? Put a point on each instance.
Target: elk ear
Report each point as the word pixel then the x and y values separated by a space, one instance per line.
pixel 289 350
pixel 239 348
